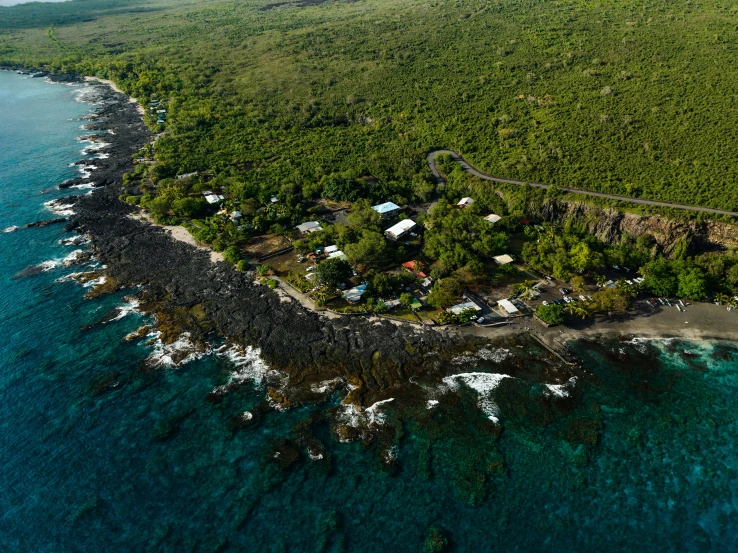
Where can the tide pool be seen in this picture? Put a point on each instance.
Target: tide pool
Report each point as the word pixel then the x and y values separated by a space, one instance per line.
pixel 103 452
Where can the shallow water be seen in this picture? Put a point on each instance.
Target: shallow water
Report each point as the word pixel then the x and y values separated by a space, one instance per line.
pixel 100 451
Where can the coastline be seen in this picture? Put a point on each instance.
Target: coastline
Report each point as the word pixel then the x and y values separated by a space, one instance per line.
pixel 190 294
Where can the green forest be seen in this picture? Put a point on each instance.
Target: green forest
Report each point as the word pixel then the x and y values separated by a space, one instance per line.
pixel 628 97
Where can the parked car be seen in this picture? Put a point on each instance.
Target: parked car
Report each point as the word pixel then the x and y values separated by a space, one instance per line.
pixel 545 302
pixel 564 291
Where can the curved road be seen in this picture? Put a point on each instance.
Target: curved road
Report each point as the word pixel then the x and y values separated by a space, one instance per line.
pixel 431 158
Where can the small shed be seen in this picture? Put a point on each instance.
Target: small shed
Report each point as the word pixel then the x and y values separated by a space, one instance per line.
pixel 338 254
pixel 331 249
pixel 492 218
pixel 503 259
pixel 465 202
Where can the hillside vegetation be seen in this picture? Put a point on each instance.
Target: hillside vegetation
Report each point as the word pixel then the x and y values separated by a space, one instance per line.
pixel 628 97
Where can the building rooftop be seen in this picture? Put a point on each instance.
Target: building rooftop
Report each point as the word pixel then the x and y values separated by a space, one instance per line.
pixel 508 306
pixel 387 207
pixel 309 226
pixel 460 307
pixel 492 218
pixel 503 259
pixel 400 228
pixel 465 202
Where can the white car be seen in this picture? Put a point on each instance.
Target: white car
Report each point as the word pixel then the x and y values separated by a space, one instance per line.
pixel 545 302
pixel 582 298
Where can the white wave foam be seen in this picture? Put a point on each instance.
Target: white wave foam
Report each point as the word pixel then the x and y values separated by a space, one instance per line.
pixel 562 390
pixel 75 240
pixel 247 362
pixel 482 383
pixel 349 415
pixel 182 348
pixel 55 207
pixel 496 355
pixel 67 261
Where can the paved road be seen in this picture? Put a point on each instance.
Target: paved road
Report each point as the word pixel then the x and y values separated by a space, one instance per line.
pixel 431 158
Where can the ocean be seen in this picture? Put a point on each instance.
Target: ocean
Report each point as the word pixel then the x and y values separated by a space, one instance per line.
pixel 106 447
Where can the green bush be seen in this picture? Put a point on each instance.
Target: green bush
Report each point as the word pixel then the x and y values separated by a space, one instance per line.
pixel 551 314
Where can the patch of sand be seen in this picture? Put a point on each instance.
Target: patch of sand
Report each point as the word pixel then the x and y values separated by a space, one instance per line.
pixel 181 234
pixel 112 85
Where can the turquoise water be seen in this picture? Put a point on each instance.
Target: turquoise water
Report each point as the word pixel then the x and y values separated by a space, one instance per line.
pixel 150 464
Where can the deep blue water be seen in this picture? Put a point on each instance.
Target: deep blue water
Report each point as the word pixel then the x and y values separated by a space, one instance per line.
pixel 151 465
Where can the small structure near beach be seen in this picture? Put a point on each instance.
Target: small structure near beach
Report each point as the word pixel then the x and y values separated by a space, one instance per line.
pixel 400 229
pixel 308 227
pixel 508 308
pixel 459 308
pixel 503 259
pixel 354 294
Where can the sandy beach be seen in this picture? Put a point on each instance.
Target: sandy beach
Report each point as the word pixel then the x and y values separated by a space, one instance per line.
pixel 111 84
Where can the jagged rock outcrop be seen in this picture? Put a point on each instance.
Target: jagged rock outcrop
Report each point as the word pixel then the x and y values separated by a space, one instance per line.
pixel 610 224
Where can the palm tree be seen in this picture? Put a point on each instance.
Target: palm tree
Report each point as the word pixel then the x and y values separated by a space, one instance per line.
pixel 578 310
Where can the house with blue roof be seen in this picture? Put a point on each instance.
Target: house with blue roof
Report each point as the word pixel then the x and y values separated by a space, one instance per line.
pixel 387 209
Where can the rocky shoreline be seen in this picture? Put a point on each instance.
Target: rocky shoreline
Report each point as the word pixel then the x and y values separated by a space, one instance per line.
pixel 190 294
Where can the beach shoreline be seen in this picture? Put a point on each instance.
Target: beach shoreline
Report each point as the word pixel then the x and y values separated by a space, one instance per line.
pixel 115 88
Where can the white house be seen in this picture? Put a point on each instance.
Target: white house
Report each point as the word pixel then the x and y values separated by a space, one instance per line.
pixel 465 202
pixel 503 259
pixel 212 198
pixel 310 226
pixel 387 209
pixel 492 218
pixel 508 307
pixel 397 231
pixel 461 307
pixel 330 249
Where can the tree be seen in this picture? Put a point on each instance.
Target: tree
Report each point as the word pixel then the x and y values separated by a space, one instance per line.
pixel 610 300
pixel 369 250
pixel 363 217
pixel 406 299
pixel 332 272
pixel 658 278
pixel 692 284
pixel 578 310
pixel 551 314
pixel 467 315
pixel 577 283
pixel 232 255
pixel 445 292
pixel 583 258
pixel 732 276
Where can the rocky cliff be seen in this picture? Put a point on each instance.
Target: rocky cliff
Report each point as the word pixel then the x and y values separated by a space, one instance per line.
pixel 610 224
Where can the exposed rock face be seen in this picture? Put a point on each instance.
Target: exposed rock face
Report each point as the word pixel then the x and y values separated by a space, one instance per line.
pixel 610 224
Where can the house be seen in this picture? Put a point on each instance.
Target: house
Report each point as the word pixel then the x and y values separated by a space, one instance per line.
pixel 391 304
pixel 397 231
pixel 186 175
pixel 461 307
pixel 354 294
pixel 492 218
pixel 503 259
pixel 331 249
pixel 310 226
pixel 236 216
pixel 387 210
pixel 508 307
pixel 212 198
pixel 273 200
pixel 337 254
pixel 465 202
pixel 414 266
